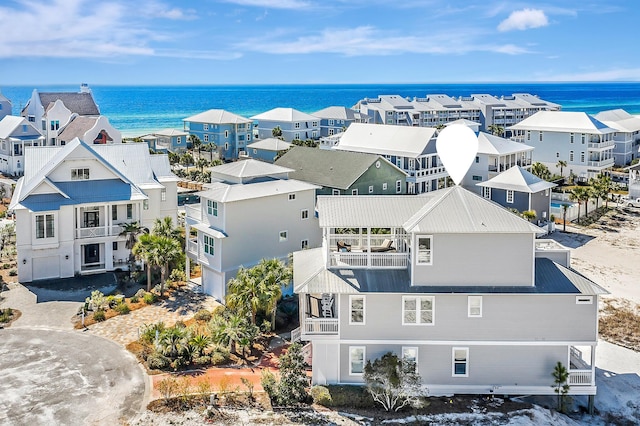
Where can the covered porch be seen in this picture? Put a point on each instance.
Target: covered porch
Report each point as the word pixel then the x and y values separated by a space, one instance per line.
pixel 582 366
pixel 318 314
pixel 367 247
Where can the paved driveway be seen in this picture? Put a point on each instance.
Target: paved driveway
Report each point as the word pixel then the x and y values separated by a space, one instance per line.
pixel 55 377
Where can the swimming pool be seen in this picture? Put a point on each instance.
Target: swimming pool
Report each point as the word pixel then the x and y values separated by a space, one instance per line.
pixel 559 204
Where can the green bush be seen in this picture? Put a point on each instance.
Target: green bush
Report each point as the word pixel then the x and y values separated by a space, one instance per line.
pixel 6 265
pixel 157 361
pixel 122 308
pixel 149 298
pixel 13 273
pixel 269 383
pixel 202 360
pixel 178 275
pixel 99 316
pixel 202 315
pixel 148 335
pixel 135 299
pixel 219 358
pixel 321 396
pixel 350 396
pixel 140 293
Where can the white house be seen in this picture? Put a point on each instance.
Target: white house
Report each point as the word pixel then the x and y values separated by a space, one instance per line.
pixel 585 143
pixel 72 200
pixel 294 124
pixel 251 211
pixel 626 137
pixel 634 182
pixel 16 133
pixel 89 129
pixel 451 281
pixel 5 106
pixel 412 149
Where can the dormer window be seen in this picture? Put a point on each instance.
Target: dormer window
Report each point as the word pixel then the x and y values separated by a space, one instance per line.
pixel 79 174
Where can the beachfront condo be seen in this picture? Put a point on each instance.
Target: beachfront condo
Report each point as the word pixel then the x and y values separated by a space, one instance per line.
pixel 583 142
pixel 451 281
pixel 73 200
pixel 293 124
pixel 336 119
pixel 250 211
pixel 626 137
pixel 227 133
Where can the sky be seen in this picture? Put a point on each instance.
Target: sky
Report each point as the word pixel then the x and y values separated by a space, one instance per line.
pixel 137 42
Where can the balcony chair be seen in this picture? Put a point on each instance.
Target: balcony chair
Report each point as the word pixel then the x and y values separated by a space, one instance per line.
pixel 387 245
pixel 342 246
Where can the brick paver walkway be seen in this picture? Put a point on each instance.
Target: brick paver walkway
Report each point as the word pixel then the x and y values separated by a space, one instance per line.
pixel 181 306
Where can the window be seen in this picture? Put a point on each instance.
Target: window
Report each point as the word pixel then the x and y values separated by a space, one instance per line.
pixel 582 138
pixel 209 244
pixel 212 208
pixel 129 211
pixel 417 310
pixel 474 306
pixel 292 197
pixel 314 124
pixel 44 226
pixel 410 353
pixel 55 124
pixel 17 149
pixel 570 155
pixel 330 132
pixel 370 189
pixel 205 126
pixel 540 136
pixel 145 204
pixel 226 134
pixel 255 151
pixel 571 138
pixel 509 196
pixel 304 214
pixel 330 122
pixel 390 113
pixel 304 244
pixel 582 157
pixel 24 128
pixel 114 212
pixel 296 125
pixel 356 360
pixel 584 300
pixel 384 186
pixel 163 194
pixel 356 310
pixel 477 159
pixel 424 250
pixel 486 193
pixel 477 178
pixel 335 192
pixel 557 155
pixel 206 138
pixel 283 236
pixel 460 362
pixel 354 191
pixel 114 246
pixel 179 140
pixel 296 136
pixel 79 174
pixel 226 146
pixel 398 186
pixel 528 135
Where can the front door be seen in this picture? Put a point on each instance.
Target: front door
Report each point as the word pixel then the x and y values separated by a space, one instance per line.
pixel 91 219
pixel 92 253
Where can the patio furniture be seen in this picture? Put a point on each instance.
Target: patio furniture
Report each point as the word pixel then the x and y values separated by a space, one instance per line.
pixel 327 305
pixel 387 245
pixel 342 246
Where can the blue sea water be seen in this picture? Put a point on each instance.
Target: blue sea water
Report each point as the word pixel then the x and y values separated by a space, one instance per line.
pixel 137 110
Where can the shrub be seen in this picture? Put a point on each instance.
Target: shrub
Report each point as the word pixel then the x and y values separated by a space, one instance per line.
pixel 293 377
pixel 202 360
pixel 219 358
pixel 350 396
pixel 269 384
pixel 321 396
pixel 149 298
pixel 122 308
pixel 99 316
pixel 135 299
pixel 168 387
pixel 6 265
pixel 157 361
pixel 13 273
pixel 140 293
pixel 202 315
pixel 178 275
pixel 148 335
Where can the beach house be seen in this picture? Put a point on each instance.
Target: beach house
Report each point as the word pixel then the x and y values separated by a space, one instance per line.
pixel 5 106
pixel 495 155
pixel 168 140
pixel 73 200
pixel 89 129
pixel 412 149
pixel 51 111
pixel 267 149
pixel 451 281
pixel 293 124
pixel 634 181
pixel 583 142
pixel 344 172
pixel 228 132
pixel 16 133
pixel 626 137
pixel 336 119
pixel 250 211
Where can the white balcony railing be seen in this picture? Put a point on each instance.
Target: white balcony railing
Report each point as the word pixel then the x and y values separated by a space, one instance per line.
pixel 296 334
pixel 601 145
pixel 580 377
pixel 194 212
pixel 321 326
pixel 368 260
pixel 602 163
pixel 98 231
pixel 192 247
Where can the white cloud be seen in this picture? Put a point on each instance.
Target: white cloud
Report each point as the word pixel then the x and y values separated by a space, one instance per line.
pixel 371 41
pixel 272 4
pixel 621 74
pixel 524 19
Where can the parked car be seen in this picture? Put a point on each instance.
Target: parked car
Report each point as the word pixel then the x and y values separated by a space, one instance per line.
pixel 632 202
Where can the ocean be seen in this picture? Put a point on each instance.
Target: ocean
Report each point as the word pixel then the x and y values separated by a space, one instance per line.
pixel 138 110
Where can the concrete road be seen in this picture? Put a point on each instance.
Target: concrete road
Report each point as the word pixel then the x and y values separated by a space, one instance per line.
pixel 55 377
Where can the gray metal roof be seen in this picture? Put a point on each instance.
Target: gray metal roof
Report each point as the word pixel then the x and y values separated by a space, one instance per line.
pixel 271 144
pixel 310 276
pixel 132 160
pixel 339 113
pixel 217 116
pixel 161 167
pixel 518 179
pixel 287 115
pixel 563 121
pixel 386 139
pixel 329 168
pixel 495 145
pixel 248 168
pixel 81 103
pixel 379 211
pixel 225 192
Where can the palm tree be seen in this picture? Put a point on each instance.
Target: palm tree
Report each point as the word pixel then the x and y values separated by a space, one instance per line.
pixel 228 329
pixel 246 294
pixel 201 164
pixel 164 227
pixel 529 215
pixel 577 194
pixel 496 130
pixel 186 160
pixel 196 143
pixel 561 164
pixel 276 132
pixel 165 250
pixel 540 170
pixel 143 250
pixel 565 207
pixel 131 230
pixel 275 276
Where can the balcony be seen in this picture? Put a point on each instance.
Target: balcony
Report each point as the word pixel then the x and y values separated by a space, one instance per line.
pixel 602 163
pixel 601 145
pixel 319 315
pixel 98 231
pixel 192 247
pixel 581 371
pixel 380 251
pixel 194 212
pixel 580 377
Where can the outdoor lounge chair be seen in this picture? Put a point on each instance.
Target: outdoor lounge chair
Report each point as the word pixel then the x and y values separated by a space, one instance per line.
pixel 342 246
pixel 387 245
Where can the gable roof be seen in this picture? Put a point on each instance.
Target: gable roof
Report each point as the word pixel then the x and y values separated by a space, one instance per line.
pixel 224 192
pixel 620 120
pixel 170 132
pixel 81 103
pixel 77 127
pixel 495 145
pixel 339 113
pixel 162 168
pixel 517 179
pixel 387 139
pixel 376 211
pixel 9 124
pixel 562 121
pixel 249 168
pixel 285 115
pixel 329 168
pixel 271 144
pixel 217 116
